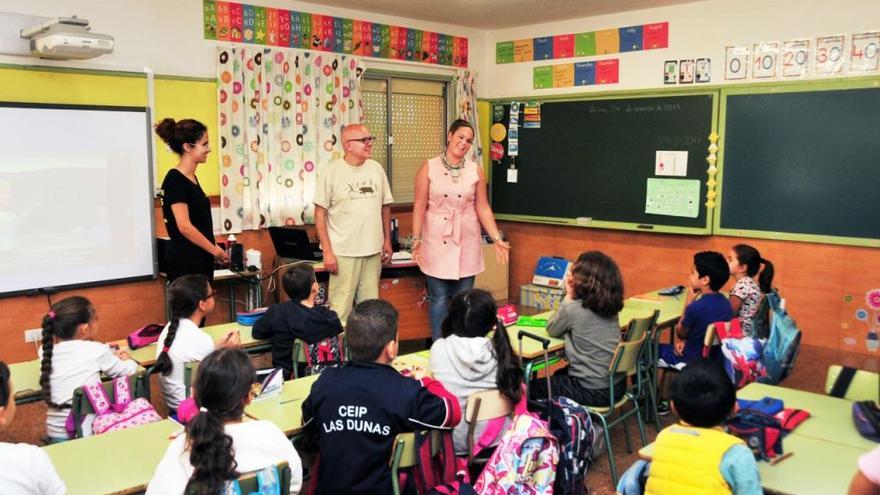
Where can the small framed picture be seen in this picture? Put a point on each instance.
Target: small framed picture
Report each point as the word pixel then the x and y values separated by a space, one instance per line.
pixel 670 72
pixel 686 71
pixel 703 70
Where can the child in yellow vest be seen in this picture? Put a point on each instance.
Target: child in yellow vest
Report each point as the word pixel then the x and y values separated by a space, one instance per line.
pixel 695 456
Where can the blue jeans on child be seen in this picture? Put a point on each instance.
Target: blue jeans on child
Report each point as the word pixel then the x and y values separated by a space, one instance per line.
pixel 440 291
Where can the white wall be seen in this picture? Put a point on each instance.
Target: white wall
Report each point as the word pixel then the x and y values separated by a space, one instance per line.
pixel 701 29
pixel 166 35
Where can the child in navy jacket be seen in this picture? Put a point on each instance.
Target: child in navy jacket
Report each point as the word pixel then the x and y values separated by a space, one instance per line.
pixel 354 412
pixel 298 318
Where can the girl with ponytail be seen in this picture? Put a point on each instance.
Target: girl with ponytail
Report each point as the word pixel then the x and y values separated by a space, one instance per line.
pixel 219 445
pixel 70 359
pixel 465 360
pixel 182 341
pixel 745 296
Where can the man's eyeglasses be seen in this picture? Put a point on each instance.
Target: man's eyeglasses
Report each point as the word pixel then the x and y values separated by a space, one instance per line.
pixel 364 140
pixel 211 294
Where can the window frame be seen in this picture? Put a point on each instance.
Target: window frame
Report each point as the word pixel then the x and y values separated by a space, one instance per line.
pixel 449 114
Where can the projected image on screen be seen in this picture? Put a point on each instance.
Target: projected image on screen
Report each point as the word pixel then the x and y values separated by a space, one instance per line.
pixel 75 196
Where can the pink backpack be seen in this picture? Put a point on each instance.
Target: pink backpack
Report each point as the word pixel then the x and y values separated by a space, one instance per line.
pixel 524 462
pixel 144 336
pixel 122 412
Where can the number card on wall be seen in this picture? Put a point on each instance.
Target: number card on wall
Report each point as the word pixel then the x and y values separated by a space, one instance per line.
pixel 736 62
pixel 829 55
pixel 764 60
pixel 863 54
pixel 795 57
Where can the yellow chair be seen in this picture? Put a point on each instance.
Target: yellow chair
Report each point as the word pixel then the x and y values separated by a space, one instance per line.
pixel 625 361
pixel 865 385
pixel 405 454
pixel 139 384
pixel 249 483
pixel 483 406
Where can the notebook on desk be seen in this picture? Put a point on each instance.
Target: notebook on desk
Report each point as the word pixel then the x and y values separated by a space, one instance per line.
pixel 294 243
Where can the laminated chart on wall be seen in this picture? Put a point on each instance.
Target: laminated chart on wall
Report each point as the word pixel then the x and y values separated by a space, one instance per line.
pixel 531 115
pixel 673 197
pixel 589 44
pixel 513 130
pixel 241 23
pixel 576 74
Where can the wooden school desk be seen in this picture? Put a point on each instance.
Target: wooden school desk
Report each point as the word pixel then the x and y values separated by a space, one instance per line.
pixel 830 417
pixel 640 306
pixel 825 447
pixel 26 381
pixel 118 462
pixel 284 409
pixel 146 356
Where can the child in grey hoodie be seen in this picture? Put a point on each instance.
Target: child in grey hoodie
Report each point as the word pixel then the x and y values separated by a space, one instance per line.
pixel 466 361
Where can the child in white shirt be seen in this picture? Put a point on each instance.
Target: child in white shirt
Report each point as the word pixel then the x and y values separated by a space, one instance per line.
pixel 182 341
pixel 219 443
pixel 71 359
pixel 26 468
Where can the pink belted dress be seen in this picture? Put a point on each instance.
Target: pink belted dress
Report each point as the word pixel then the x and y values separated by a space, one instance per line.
pixel 451 243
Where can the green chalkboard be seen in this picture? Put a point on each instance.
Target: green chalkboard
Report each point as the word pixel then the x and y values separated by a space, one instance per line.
pixel 801 164
pixel 590 161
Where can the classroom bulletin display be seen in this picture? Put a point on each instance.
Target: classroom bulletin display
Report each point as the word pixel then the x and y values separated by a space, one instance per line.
pixel 242 23
pixel 589 44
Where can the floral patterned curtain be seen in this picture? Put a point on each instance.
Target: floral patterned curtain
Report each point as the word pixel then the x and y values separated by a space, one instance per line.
pixel 466 98
pixel 280 116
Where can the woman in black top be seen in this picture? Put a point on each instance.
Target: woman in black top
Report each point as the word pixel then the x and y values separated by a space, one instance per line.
pixel 185 207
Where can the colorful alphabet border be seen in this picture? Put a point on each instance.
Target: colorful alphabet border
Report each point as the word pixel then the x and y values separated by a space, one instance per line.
pixel 242 23
pixel 589 44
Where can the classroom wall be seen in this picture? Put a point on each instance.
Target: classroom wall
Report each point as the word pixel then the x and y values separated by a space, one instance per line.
pixel 165 35
pixel 699 29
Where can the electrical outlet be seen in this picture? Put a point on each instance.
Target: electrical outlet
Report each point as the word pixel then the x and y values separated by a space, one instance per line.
pixel 33 335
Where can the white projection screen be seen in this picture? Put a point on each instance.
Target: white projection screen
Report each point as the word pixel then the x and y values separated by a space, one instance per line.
pixel 76 198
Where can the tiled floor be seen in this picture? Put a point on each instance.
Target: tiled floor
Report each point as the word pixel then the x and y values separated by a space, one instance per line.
pixel 809 375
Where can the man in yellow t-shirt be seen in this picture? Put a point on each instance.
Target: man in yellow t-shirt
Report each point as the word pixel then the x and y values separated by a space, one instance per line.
pixel 352 217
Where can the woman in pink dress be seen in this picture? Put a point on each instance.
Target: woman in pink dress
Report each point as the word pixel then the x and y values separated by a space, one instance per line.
pixel 449 207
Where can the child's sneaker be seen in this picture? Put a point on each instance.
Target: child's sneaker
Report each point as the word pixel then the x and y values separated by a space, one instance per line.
pixel 663 408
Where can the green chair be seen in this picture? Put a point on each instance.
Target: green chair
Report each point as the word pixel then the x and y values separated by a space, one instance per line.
pixel 404 454
pixel 249 484
pixel 625 361
pixel 647 385
pixel 80 407
pixel 865 385
pixel 189 372
pixel 483 406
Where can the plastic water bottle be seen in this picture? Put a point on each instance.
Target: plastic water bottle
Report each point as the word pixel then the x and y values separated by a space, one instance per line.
pixel 230 241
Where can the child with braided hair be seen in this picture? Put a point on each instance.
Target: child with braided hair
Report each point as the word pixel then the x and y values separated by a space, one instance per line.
pixel 182 341
pixel 219 444
pixel 71 359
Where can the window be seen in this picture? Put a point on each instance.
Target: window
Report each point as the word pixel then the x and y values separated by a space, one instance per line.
pixel 408 118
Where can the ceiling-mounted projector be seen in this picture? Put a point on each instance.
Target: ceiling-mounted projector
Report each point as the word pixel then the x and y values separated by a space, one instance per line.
pixel 67 38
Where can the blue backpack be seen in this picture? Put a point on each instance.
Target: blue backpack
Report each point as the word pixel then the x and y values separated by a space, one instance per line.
pixel 781 349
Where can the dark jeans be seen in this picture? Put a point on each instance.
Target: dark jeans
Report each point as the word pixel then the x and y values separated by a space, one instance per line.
pixel 440 291
pixel 565 385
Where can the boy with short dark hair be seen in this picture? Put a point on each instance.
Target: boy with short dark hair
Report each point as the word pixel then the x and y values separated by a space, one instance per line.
pixel 356 411
pixel 695 455
pixel 704 306
pixel 298 318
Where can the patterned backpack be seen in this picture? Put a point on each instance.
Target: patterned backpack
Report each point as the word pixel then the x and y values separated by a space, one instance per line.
pixel 524 462
pixel 326 353
pixel 571 424
pixel 120 413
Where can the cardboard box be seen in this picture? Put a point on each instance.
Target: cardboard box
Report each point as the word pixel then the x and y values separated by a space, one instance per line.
pixel 550 271
pixel 494 278
pixel 539 297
